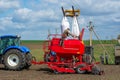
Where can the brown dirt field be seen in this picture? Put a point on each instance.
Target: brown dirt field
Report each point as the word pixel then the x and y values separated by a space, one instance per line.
pixel 42 72
pixel 33 45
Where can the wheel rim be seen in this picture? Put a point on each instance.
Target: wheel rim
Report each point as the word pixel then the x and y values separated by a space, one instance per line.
pixel 13 60
pixel 80 69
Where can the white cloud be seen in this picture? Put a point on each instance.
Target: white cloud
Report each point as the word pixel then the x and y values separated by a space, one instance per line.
pixel 97 7
pixel 39 35
pixel 52 1
pixel 82 22
pixel 89 2
pixel 6 4
pixel 107 6
pixel 7 24
pixel 116 19
pixel 2 28
pixel 23 13
pixel 6 21
pixel 28 15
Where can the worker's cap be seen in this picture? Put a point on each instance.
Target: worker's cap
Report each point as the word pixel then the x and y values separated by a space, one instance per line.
pixel 68 28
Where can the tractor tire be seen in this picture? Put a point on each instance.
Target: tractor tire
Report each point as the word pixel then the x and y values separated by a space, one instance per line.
pixel 28 60
pixel 14 60
pixel 80 71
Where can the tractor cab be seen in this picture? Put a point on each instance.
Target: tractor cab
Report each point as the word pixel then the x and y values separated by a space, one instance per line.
pixel 7 41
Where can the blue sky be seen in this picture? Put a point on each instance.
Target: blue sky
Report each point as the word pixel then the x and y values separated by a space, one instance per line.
pixel 31 19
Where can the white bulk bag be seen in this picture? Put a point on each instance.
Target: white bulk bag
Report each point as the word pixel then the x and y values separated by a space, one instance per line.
pixel 75 27
pixel 65 24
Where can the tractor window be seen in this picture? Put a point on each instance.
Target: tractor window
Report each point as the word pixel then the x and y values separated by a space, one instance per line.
pixel 6 42
pixel 12 42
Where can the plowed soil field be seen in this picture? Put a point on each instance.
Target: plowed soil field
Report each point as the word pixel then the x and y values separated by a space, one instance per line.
pixel 42 72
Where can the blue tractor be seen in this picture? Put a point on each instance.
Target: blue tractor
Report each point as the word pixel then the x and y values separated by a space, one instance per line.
pixel 12 55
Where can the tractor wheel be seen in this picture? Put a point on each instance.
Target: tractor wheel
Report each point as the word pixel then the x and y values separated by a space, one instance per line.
pixel 28 57
pixel 78 69
pixel 14 60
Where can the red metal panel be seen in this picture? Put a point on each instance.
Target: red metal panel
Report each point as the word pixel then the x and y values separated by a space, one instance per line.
pixel 71 46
